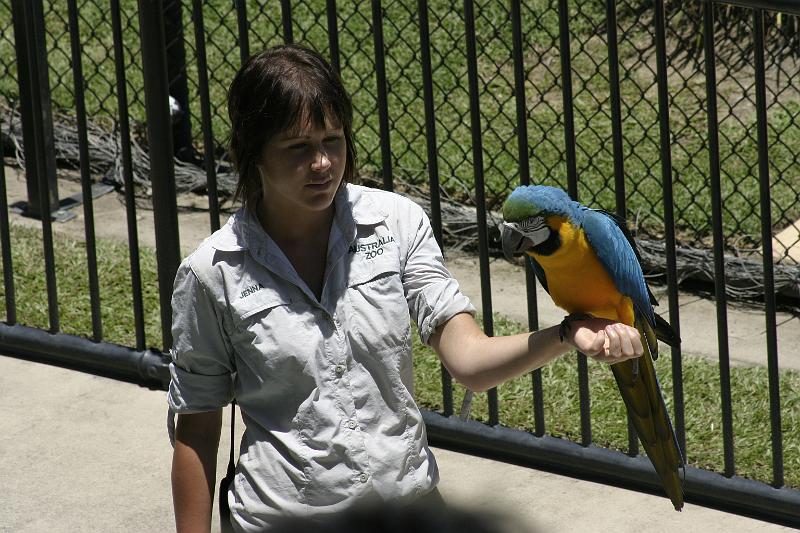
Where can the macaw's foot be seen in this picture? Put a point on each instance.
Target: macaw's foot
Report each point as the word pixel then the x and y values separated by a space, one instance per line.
pixel 566 325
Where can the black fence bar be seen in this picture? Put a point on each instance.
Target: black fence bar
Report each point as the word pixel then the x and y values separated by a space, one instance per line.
pixel 286 21
pixel 766 249
pixel 525 179
pixel 616 135
pixel 243 28
pixel 5 243
pixel 736 495
pixel 383 107
pixel 519 94
pixel 616 108
pixel 480 190
pixel 86 178
pixel 570 155
pixel 430 121
pixel 178 81
pixel 127 175
pixel 669 219
pixel 145 367
pixel 162 171
pixel 36 107
pixel 572 188
pixel 209 147
pixel 433 165
pixel 34 89
pixel 333 35
pixel 716 220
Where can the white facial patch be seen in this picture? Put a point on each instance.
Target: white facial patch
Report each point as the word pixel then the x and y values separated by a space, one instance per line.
pixel 532 228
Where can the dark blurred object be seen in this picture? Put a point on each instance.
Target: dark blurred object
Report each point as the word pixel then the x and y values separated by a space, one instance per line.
pixel 393 518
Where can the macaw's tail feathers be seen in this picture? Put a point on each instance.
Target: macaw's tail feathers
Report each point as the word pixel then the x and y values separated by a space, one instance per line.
pixel 639 388
pixel 665 332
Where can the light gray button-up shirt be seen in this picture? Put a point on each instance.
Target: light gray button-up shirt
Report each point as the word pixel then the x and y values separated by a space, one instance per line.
pixel 325 386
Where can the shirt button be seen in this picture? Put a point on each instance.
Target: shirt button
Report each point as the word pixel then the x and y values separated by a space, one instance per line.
pixel 339 370
pixel 363 478
pixel 352 424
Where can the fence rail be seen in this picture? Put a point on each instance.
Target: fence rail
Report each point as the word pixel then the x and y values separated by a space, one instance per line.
pixel 599 99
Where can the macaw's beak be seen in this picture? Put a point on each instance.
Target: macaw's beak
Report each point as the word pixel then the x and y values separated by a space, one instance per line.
pixel 513 240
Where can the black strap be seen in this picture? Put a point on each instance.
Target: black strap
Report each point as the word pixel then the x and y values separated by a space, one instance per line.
pixel 231 465
pixel 224 510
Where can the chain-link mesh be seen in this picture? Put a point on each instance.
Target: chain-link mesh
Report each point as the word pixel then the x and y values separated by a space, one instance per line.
pixel 543 94
pixel 9 89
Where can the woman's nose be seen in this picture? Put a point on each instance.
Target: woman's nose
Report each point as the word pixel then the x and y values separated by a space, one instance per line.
pixel 321 162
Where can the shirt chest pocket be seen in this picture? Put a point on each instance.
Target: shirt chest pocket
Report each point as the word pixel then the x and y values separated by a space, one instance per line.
pixel 378 317
pixel 275 342
pixel 258 319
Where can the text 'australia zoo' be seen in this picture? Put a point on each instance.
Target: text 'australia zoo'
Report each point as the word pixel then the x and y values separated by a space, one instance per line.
pixel 370 249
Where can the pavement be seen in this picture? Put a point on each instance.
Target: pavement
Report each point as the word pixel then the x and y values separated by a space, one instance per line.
pixel 82 453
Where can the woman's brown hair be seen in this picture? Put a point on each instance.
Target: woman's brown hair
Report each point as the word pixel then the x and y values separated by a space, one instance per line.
pixel 283 88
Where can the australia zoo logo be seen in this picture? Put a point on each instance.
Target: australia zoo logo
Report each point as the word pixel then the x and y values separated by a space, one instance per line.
pixel 371 250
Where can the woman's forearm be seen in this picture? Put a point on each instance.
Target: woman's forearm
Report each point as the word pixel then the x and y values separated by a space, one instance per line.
pixel 194 462
pixel 480 362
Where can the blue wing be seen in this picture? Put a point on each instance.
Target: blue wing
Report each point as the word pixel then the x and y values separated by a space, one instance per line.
pixel 614 247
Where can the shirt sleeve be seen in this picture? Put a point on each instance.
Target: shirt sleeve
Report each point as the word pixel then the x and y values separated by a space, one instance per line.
pixel 432 292
pixel 202 361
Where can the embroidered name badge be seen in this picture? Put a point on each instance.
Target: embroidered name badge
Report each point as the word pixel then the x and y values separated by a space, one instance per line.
pixel 371 250
pixel 250 290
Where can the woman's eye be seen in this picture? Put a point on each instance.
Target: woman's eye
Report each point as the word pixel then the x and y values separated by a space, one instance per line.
pixel 331 140
pixel 297 147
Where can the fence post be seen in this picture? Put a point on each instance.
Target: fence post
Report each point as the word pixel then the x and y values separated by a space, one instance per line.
pixel 159 142
pixel 178 84
pixel 37 115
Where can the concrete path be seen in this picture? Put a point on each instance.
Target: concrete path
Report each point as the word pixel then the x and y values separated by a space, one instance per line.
pixel 81 453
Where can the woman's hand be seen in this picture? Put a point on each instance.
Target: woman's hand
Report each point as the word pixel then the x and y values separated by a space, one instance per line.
pixel 604 340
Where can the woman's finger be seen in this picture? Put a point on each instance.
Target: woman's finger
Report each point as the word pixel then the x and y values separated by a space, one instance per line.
pixel 626 345
pixel 598 344
pixel 613 335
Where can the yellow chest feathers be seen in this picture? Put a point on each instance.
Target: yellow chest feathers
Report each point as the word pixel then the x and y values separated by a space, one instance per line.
pixel 576 279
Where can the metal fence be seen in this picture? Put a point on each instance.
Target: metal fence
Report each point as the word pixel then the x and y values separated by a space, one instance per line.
pixel 596 97
pixel 616 132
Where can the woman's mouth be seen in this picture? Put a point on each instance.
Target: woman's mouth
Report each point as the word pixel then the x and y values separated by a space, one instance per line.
pixel 320 184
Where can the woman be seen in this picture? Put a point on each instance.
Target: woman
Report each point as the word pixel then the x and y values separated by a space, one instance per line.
pixel 300 309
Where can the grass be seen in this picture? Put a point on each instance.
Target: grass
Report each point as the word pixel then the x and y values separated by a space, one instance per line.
pixel 701 377
pixel 116 300
pixel 544 107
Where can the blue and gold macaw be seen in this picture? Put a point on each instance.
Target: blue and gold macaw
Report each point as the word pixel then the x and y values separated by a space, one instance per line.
pixel 587 261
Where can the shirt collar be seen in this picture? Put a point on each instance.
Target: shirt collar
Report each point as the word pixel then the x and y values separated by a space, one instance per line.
pixel 230 237
pixel 352 200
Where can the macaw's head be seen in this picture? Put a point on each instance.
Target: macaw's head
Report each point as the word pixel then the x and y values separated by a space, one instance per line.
pixel 526 213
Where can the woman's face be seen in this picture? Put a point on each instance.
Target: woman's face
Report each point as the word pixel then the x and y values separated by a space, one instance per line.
pixel 301 170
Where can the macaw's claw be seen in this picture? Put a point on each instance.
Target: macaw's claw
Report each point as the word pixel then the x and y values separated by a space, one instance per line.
pixel 566 325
